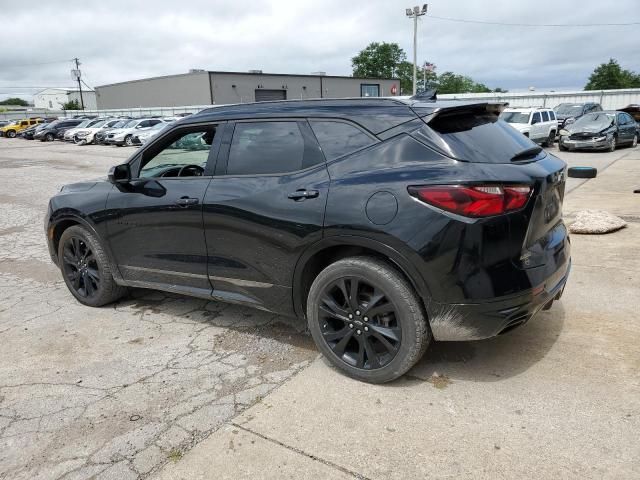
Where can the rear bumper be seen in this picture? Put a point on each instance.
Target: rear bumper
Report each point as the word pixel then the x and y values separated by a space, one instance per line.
pixel 477 321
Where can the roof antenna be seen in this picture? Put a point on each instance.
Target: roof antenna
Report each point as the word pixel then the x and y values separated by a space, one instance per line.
pixel 427 95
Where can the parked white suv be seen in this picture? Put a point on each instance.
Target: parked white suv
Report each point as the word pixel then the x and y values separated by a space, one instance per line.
pixel 539 124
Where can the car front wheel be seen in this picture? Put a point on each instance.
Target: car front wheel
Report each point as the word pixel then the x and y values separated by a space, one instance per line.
pixel 613 144
pixel 85 268
pixel 367 320
pixel 11 134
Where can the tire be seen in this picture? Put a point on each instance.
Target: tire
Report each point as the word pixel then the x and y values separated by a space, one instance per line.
pixel 634 142
pixel 613 144
pixel 85 268
pixel 582 172
pixel 550 139
pixel 49 137
pixel 377 349
pixel 128 141
pixel 11 133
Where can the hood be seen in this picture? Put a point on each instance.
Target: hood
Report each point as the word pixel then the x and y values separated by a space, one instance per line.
pixel 521 127
pixel 590 129
pixel 78 187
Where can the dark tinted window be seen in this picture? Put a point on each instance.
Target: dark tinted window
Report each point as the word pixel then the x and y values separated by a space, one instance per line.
pixel 337 139
pixel 536 118
pixel 475 137
pixel 545 116
pixel 266 147
pixel 552 115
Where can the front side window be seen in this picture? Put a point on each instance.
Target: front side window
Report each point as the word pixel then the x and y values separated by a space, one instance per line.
pixel 184 154
pixel 369 90
pixel 536 118
pixel 266 148
pixel 337 138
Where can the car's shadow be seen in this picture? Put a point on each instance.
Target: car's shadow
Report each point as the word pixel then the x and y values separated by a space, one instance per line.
pixel 480 361
pixel 493 359
pixel 161 307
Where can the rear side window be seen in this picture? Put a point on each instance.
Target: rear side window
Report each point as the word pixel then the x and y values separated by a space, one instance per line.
pixel 338 138
pixel 266 148
pixel 545 116
pixel 552 115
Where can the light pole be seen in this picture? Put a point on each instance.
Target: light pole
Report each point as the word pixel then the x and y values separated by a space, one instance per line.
pixel 414 13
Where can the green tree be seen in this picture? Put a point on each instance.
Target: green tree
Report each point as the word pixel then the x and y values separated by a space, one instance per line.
pixel 612 75
pixel 404 72
pixel 71 105
pixel 15 101
pixel 378 60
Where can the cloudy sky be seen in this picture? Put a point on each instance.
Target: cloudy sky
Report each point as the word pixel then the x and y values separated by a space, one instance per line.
pixel 120 40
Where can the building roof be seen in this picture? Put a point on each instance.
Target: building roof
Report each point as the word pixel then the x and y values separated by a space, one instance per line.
pixel 62 89
pixel 249 74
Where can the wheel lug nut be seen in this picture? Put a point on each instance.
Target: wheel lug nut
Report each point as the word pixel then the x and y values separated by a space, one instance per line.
pixel 350 315
pixel 357 312
pixel 358 332
pixel 351 325
pixel 366 329
pixel 366 319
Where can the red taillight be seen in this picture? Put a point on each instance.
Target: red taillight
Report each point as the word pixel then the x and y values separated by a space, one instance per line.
pixel 476 200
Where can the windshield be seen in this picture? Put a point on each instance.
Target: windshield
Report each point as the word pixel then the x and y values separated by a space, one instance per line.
pixel 130 123
pixel 594 121
pixel 568 109
pixel 158 126
pixel 99 124
pixel 514 117
pixel 84 123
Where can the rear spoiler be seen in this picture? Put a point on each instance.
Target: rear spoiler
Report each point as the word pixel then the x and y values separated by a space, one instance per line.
pixel 427 112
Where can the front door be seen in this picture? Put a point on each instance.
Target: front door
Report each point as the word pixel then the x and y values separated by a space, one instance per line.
pixel 264 206
pixel 155 226
pixel 537 127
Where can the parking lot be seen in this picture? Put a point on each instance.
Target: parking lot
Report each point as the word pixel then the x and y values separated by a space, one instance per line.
pixel 183 388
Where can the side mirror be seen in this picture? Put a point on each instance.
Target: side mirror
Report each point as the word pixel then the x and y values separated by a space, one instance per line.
pixel 120 173
pixel 138 126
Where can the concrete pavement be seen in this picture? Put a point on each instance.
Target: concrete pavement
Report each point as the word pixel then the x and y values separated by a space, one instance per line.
pixel 556 398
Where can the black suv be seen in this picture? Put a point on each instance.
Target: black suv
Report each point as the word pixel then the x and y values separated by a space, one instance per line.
pixel 56 129
pixel 567 113
pixel 383 223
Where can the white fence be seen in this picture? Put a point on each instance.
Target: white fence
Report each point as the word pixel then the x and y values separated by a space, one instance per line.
pixel 609 99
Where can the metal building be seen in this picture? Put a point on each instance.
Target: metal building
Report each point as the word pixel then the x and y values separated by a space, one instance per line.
pixel 199 87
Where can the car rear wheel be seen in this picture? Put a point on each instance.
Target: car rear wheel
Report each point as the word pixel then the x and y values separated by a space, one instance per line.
pixel 49 137
pixel 367 320
pixel 562 147
pixel 11 134
pixel 550 139
pixel 85 268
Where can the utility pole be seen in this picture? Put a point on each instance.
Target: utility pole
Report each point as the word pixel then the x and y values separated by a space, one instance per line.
pixel 77 75
pixel 414 13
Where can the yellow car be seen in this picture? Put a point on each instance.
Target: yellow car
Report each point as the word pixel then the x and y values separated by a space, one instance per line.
pixel 18 125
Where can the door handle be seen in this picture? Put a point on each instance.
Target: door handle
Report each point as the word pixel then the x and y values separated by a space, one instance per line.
pixel 302 194
pixel 186 201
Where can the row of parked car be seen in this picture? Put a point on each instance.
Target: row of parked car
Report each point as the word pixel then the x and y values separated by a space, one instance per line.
pixel 84 131
pixel 577 125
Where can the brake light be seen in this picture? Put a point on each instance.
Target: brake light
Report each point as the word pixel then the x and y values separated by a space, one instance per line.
pixel 474 200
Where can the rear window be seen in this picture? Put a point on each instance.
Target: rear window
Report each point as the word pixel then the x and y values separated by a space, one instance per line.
pixel 475 136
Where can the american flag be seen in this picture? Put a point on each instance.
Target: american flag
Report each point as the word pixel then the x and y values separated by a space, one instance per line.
pixel 429 67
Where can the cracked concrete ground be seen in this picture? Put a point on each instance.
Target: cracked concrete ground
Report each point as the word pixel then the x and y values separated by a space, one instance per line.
pixel 114 392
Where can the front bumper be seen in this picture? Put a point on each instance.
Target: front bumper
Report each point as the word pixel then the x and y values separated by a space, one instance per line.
pixel 585 144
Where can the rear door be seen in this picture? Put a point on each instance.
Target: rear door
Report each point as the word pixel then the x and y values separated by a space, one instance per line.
pixel 155 222
pixel 264 206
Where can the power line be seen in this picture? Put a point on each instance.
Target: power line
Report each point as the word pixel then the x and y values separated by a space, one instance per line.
pixel 483 22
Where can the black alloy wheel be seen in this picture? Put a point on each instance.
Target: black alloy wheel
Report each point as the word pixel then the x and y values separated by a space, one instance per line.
pixel 11 134
pixel 80 266
pixel 359 323
pixel 367 319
